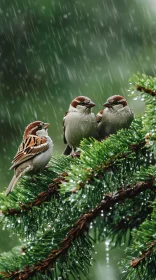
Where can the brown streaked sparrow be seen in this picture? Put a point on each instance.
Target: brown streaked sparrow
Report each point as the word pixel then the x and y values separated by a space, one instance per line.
pixel 33 153
pixel 115 116
pixel 78 123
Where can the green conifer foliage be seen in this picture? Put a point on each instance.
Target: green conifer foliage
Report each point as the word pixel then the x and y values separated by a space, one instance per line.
pixel 108 191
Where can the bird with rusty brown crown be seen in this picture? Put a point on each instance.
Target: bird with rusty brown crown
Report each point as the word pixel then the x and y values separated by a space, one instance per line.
pixel 33 153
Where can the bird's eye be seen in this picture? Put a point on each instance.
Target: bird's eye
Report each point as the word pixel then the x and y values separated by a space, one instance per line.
pixel 39 127
pixel 83 103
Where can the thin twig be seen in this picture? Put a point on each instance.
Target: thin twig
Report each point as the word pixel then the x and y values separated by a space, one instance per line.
pixel 146 90
pixel 136 262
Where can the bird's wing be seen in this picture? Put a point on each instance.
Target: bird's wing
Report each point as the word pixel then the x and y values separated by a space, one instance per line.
pixel 67 150
pixel 29 148
pixel 99 116
pixel 64 138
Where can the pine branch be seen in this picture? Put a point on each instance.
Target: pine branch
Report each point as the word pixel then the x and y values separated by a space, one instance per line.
pixel 53 191
pixel 133 220
pixel 53 188
pixel 79 229
pixel 137 261
pixel 123 155
pixel 144 84
pixel 30 192
pixel 111 164
pixel 55 221
pixel 143 246
pixel 146 90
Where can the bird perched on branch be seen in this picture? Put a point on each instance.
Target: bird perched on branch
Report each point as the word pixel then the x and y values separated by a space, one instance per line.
pixel 116 115
pixel 78 123
pixel 33 153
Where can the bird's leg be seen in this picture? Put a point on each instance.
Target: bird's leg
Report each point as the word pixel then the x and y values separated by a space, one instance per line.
pixel 75 154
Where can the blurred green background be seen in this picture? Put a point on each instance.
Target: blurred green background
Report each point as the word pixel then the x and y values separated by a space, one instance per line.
pixel 54 50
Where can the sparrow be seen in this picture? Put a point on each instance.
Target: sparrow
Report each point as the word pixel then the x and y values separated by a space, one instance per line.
pixel 33 153
pixel 78 123
pixel 116 115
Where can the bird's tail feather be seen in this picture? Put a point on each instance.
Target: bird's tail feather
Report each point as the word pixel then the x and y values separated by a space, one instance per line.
pixel 15 179
pixel 12 184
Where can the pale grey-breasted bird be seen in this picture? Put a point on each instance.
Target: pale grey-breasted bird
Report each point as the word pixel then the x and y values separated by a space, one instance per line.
pixel 78 123
pixel 116 115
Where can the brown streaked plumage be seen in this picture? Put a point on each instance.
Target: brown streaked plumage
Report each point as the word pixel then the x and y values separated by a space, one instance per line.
pixel 30 147
pixel 99 116
pixel 32 128
pixel 33 153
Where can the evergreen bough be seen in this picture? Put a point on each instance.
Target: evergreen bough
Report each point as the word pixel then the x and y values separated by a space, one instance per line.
pixel 107 192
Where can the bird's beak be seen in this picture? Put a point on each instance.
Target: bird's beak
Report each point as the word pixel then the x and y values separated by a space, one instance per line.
pixel 46 125
pixel 107 104
pixel 90 104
